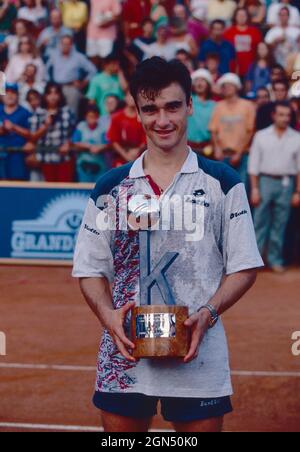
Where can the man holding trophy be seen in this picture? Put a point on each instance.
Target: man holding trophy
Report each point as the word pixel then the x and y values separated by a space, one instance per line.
pixel 166 246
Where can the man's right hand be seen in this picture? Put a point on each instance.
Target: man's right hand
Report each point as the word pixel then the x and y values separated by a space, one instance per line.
pixel 255 197
pixel 218 154
pixel 115 326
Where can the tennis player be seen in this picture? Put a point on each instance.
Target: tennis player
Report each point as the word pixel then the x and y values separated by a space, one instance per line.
pixel 213 270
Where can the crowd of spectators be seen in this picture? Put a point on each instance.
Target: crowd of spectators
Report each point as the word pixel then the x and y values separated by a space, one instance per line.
pixel 68 116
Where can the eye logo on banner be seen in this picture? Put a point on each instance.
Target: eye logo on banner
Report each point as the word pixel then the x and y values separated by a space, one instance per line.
pixel 53 234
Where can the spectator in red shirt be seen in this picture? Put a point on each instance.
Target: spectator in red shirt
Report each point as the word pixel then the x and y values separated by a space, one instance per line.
pixel 245 38
pixel 126 134
pixel 133 15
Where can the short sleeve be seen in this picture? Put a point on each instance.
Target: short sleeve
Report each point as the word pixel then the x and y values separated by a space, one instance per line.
pixel 93 90
pixel 240 251
pixel 93 256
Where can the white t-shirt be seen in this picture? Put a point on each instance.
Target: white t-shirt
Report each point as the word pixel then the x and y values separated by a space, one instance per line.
pixel 167 51
pixel 284 49
pixel 32 14
pixel 199 9
pixel 273 14
pixel 226 245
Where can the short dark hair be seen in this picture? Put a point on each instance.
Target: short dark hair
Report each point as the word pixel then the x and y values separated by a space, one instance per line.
pixel 284 104
pixel 265 89
pixel 218 22
pixel 33 92
pixel 155 74
pixel 212 56
pixel 281 82
pixel 285 8
pixel 92 109
pixel 147 20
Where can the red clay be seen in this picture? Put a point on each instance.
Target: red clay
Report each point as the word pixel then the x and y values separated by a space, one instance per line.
pixel 47 322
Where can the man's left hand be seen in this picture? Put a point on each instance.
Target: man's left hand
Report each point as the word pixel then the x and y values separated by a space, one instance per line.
pixel 296 200
pixel 198 324
pixel 8 126
pixel 236 159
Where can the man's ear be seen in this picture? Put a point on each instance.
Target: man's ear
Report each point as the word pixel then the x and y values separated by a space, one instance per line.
pixel 138 115
pixel 190 107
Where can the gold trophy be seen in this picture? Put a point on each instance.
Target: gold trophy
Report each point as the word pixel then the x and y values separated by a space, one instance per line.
pixel 157 330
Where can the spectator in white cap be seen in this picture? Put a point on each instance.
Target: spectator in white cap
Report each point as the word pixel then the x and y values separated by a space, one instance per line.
pixel 232 126
pixel 199 135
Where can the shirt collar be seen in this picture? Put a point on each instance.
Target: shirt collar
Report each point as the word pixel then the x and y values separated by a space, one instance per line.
pixel 286 133
pixel 190 166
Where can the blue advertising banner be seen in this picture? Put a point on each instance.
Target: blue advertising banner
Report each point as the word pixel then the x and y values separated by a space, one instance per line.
pixel 40 221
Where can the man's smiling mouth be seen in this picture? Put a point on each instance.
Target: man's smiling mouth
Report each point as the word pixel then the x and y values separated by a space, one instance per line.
pixel 164 132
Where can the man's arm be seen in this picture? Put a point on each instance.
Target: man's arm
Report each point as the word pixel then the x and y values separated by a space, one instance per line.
pixel 11 127
pixel 4 8
pixel 230 292
pixel 296 195
pixel 97 294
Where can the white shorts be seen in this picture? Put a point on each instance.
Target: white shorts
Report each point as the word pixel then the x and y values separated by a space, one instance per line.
pixel 99 47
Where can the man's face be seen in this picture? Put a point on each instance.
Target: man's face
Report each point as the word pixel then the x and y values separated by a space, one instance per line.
pixel 277 74
pixel 112 67
pixel 180 11
pixel 217 31
pixel 284 18
pixel 212 64
pixel 92 119
pixel 280 92
pixel 229 90
pixel 262 98
pixel 282 117
pixel 162 34
pixel 165 118
pixel 55 19
pixel 148 29
pixel 111 104
pixel 34 101
pixel 66 45
pixel 200 86
pixel 30 72
pixel 11 98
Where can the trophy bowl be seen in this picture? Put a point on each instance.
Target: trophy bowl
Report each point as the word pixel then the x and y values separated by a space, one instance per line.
pixel 159 331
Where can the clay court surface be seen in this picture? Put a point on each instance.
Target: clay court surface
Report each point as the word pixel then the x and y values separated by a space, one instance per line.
pixel 47 377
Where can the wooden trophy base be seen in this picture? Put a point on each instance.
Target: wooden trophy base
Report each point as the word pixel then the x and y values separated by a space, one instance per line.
pixel 159 331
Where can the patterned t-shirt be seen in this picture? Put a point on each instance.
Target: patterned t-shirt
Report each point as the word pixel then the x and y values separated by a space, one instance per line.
pixel 226 245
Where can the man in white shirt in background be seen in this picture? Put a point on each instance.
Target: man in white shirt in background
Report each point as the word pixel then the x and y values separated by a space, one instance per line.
pixel 274 10
pixel 274 168
pixel 283 38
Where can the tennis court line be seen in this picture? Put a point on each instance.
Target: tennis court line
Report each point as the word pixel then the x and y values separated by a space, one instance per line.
pixel 68 428
pixel 74 368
